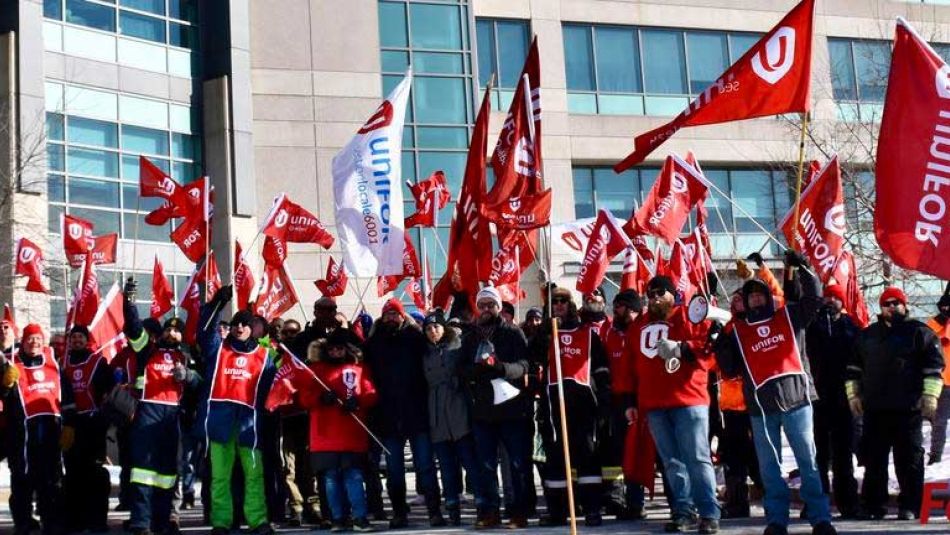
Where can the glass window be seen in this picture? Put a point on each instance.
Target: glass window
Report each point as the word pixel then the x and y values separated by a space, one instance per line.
pixel 614 192
pixel 872 62
pixel 54 127
pixel 55 157
pixel 56 188
pixel 618 64
pixel 437 62
pixel 183 146
pixel 395 61
pixel 142 26
pixel 144 140
pixel 752 190
pixel 392 24
pixel 842 70
pixel 439 100
pixel 152 6
pixel 442 137
pixel 578 62
pixel 93 162
pixel 132 201
pixel 104 222
pixel 708 58
pixel 182 9
pixel 93 192
pixel 664 63
pixel 583 193
pixel 91 132
pixel 435 26
pixel 53 9
pixel 513 41
pixel 182 35
pixel 90 14
pixel 487 60
pixel 144 231
pixel 55 213
pixel 739 44
pixel 452 163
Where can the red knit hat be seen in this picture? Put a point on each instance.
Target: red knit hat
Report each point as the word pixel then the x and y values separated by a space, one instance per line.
pixel 836 291
pixel 32 329
pixel 394 304
pixel 893 292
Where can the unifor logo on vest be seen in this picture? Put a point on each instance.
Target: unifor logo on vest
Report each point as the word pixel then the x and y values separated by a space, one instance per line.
pixel 77 375
pixel 38 375
pixel 349 380
pixel 767 341
pixel 566 349
pixel 778 56
pixel 650 338
pixel 238 371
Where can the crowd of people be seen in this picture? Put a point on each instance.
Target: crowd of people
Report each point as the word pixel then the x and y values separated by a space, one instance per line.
pixel 288 424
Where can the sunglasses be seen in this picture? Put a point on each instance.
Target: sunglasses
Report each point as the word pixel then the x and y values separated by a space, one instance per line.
pixel 891 303
pixel 653 294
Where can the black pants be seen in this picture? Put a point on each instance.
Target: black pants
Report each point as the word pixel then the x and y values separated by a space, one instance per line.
pixel 737 452
pixel 86 485
pixel 38 472
pixel 581 428
pixel 899 430
pixel 834 433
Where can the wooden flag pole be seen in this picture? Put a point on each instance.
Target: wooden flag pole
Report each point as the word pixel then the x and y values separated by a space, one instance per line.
pixel 798 181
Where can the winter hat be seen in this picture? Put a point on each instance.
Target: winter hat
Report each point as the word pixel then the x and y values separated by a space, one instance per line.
pixel 629 298
pixel 892 292
pixel 325 302
pixel 393 305
pixel 152 326
pixel 242 317
pixel 559 291
pixel 32 329
pixel 662 282
pixel 81 329
pixel 508 307
pixel 533 312
pixel 339 337
pixel 418 316
pixel 944 300
pixel 836 291
pixel 174 323
pixel 436 317
pixel 489 292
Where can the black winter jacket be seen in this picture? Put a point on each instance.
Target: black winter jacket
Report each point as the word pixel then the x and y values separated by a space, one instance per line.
pixel 830 343
pixel 890 363
pixel 394 358
pixel 511 352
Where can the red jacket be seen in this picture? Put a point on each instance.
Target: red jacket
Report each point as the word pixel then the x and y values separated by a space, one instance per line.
pixel 332 428
pixel 656 388
pixel 619 360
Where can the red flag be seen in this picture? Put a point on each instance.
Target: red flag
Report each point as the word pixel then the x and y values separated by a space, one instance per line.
pixel 679 270
pixel 191 237
pixel 771 78
pixel 813 167
pixel 103 251
pixel 606 241
pixel 334 284
pixel 8 318
pixel 470 244
pixel 160 215
pixel 912 175
pixel 529 211
pixel 243 277
pixel 506 265
pixel 846 273
pixel 292 377
pixel 517 160
pixel 410 269
pixel 819 231
pixel 162 294
pixel 431 194
pixel 86 300
pixel 386 284
pixel 105 330
pixel 677 189
pixel 416 292
pixel 277 294
pixel 153 182
pixel 511 293
pixel 274 251
pixel 212 277
pixel 190 302
pixel 628 278
pixel 696 257
pixel 29 262
pixel 291 223
pixel 77 237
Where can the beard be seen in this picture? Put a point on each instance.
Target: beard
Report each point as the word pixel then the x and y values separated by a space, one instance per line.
pixel 486 318
pixel 659 310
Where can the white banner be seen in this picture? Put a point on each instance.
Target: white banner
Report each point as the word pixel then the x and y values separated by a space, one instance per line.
pixel 367 186
pixel 570 238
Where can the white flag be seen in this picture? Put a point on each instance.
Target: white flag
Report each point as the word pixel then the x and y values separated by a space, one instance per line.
pixel 367 186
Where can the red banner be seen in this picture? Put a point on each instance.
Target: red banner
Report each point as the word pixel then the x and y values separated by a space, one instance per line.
pixel 846 274
pixel 771 78
pixel 607 241
pixel 192 236
pixel 153 182
pixel 277 293
pixel 912 175
pixel 291 223
pixel 162 294
pixel 334 284
pixel 274 251
pixel 678 188
pixel 819 231
pixel 86 299
pixel 243 278
pixel 105 331
pixel 77 237
pixel 29 263
pixel 431 195
pixel 529 211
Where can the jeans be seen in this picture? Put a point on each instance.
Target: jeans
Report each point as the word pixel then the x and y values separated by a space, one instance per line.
pixel 192 451
pixel 349 481
pixel 453 456
pixel 681 437
pixel 798 425
pixel 517 437
pixel 424 465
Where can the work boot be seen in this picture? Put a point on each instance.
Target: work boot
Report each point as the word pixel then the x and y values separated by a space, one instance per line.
pixel 906 514
pixel 455 514
pixel 708 526
pixel 680 523
pixel 488 520
pixel 434 506
pixel 517 521
pixel 592 520
pixel 557 508
pixel 824 528
pixel 775 529
pixel 399 521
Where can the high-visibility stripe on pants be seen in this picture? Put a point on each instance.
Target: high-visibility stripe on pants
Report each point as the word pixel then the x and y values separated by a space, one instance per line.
pixel 151 478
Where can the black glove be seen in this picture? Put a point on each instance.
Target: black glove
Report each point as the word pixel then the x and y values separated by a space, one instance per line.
pixel 329 397
pixel 223 295
pixel 757 258
pixel 715 329
pixel 794 259
pixel 130 289
pixel 351 404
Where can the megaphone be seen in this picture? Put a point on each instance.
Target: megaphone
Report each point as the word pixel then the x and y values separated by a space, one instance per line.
pixel 699 310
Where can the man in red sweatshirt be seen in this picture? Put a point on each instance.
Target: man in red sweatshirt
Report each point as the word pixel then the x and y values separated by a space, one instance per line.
pixel 672 369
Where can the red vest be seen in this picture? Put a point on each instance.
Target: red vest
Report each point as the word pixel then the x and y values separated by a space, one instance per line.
pixel 80 378
pixel 769 348
pixel 237 375
pixel 575 356
pixel 39 386
pixel 160 386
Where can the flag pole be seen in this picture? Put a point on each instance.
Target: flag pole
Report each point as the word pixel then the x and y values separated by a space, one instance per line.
pixel 518 283
pixel 135 237
pixel 801 172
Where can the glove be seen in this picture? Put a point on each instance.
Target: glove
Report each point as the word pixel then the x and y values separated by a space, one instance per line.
pixel 329 397
pixel 757 258
pixel 854 398
pixel 351 404
pixel 223 295
pixel 794 259
pixel 743 271
pixel 67 437
pixel 10 376
pixel 180 373
pixel 928 407
pixel 669 349
pixel 715 329
pixel 131 288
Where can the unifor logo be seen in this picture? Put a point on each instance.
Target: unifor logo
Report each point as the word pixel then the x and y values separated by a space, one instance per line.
pixel 774 61
pixel 349 379
pixel 943 81
pixel 167 185
pixel 650 338
pixel 835 220
pixel 381 118
pixel 679 184
pixel 514 203
pixel 75 231
pixel 38 375
pixel 240 362
pixel 27 254
pixel 763 331
pixel 281 218
pixel 167 357
pixel 566 339
pixel 524 157
pixel 77 375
